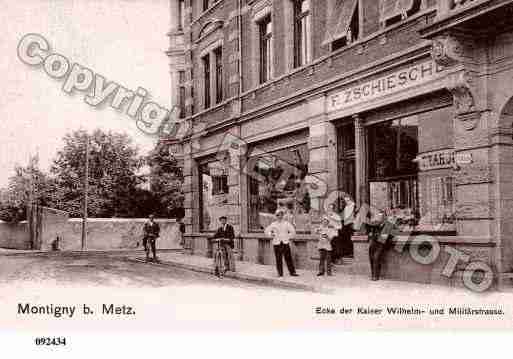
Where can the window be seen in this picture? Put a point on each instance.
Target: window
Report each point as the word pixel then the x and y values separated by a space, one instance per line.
pixel 213 178
pixel 218 54
pixel 181 93
pixel 206 5
pixel 302 32
pixel 393 11
pixel 277 180
pixel 181 14
pixel 393 172
pixel 343 25
pixel 206 81
pixel 192 92
pixel 266 51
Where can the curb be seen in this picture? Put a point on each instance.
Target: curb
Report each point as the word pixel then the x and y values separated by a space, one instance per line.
pixel 240 276
pixel 86 252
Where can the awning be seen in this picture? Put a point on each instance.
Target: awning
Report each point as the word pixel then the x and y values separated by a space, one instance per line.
pixel 391 8
pixel 340 20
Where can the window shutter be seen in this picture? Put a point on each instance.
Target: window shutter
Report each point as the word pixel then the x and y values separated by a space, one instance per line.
pixel 339 21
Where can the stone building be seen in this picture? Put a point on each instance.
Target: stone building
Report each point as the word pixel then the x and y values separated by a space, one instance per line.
pixel 405 104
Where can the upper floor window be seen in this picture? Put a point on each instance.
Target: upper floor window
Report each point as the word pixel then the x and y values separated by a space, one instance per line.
pixel 206 4
pixel 302 32
pixel 181 93
pixel 206 76
pixel 181 14
pixel 218 56
pixel 343 26
pixel 393 11
pixel 266 50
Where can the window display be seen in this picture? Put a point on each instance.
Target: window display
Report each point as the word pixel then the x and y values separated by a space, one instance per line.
pixel 214 191
pixel 276 180
pixel 393 173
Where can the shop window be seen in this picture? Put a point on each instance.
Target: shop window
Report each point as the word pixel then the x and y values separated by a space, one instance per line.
pixel 277 180
pixel 394 11
pixel 421 199
pixel 266 50
pixel 302 33
pixel 343 25
pixel 213 178
pixel 393 172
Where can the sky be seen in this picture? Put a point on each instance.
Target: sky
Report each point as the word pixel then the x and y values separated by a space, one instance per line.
pixel 123 40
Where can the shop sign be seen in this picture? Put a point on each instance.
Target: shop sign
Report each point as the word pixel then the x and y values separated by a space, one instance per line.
pixel 385 85
pixel 436 160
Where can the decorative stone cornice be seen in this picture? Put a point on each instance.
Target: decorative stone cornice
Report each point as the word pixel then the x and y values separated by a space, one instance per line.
pixel 449 50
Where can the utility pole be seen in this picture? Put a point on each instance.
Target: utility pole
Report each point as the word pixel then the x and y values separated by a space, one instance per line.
pixel 86 188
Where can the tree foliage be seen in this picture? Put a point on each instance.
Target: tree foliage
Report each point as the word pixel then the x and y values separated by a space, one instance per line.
pixel 113 180
pixel 28 184
pixel 166 181
pixel 115 186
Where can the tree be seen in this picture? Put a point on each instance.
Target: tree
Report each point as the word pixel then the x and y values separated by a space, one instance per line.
pixel 113 180
pixel 28 185
pixel 166 181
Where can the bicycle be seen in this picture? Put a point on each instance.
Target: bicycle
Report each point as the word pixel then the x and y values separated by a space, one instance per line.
pixel 219 258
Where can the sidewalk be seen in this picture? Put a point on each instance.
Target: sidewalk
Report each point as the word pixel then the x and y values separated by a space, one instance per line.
pixel 266 274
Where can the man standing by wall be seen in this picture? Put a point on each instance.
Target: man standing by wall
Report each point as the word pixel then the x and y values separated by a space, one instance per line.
pixel 151 233
pixel 282 231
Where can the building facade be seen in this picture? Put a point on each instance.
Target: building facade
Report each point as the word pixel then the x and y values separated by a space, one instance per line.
pixel 402 104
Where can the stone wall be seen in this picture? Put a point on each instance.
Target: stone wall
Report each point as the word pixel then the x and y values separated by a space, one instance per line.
pixel 114 234
pixel 14 235
pixel 102 234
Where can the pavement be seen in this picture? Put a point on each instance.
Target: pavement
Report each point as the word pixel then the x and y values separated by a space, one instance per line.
pixel 263 274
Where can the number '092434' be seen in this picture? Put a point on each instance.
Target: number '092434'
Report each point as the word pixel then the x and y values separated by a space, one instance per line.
pixel 50 341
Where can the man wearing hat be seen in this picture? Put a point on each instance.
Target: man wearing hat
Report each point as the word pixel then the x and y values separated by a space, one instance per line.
pixel 151 233
pixel 226 233
pixel 282 232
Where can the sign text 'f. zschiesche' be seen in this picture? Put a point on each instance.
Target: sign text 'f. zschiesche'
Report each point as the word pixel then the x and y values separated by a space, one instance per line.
pixel 385 85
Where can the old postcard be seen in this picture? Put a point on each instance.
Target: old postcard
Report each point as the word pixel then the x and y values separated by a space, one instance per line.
pixel 182 166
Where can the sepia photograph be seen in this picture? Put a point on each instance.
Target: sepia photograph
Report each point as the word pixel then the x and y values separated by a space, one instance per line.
pixel 186 166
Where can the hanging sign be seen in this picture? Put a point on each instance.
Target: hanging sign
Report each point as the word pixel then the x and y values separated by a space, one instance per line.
pixel 436 160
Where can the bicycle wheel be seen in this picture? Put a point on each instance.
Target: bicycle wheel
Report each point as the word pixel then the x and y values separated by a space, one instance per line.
pixel 218 263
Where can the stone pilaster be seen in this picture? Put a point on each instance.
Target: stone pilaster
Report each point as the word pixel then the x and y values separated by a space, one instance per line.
pixel 361 160
pixel 473 180
pixel 322 166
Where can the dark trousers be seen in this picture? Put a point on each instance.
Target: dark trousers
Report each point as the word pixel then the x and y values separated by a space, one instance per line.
pixel 377 251
pixel 151 241
pixel 336 244
pixel 325 261
pixel 346 242
pixel 283 250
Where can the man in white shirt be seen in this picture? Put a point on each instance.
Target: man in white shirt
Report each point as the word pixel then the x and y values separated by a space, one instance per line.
pixel 282 232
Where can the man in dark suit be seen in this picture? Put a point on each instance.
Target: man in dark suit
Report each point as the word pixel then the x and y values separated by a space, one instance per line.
pixel 227 236
pixel 151 233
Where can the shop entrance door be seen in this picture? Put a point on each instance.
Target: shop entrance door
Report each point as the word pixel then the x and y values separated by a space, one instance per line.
pixel 346 160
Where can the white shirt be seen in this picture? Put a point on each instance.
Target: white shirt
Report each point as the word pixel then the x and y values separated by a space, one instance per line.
pixel 280 232
pixel 349 213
